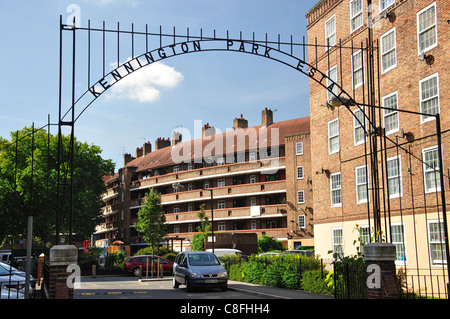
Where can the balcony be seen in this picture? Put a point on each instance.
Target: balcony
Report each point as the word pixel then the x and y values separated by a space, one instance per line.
pixel 211 172
pixel 104 228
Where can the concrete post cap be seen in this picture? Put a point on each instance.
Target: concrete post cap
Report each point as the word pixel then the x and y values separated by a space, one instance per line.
pixel 379 252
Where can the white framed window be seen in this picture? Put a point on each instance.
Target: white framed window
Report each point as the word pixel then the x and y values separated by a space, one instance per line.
pixel 190 208
pixel 394 177
pixel 252 179
pixel 176 169
pixel 390 117
pixel 301 197
pixel 361 184
pixel 189 166
pixel 299 148
pixel 253 224
pixel 333 136
pixel 221 204
pixel 300 172
pixel 357 69
pixel 220 161
pixel 338 241
pixel 431 170
pixel 336 190
pixel 388 51
pixel 359 132
pixel 332 75
pixel 426 28
pixel 429 97
pixel 221 182
pixel 176 209
pixel 330 32
pixel 356 15
pixel 384 4
pixel 436 242
pixel 206 184
pixel 301 221
pixel 190 228
pixel 398 240
pixel 253 201
pixel 222 226
pixel 189 187
pixel 364 235
pixel 252 156
pixel 176 229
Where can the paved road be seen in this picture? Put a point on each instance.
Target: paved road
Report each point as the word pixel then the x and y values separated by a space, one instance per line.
pixel 127 287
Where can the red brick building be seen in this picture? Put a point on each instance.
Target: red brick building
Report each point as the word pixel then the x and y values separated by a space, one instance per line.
pixel 411 72
pixel 259 177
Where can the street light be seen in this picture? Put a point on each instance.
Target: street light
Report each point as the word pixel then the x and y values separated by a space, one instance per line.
pixel 178 186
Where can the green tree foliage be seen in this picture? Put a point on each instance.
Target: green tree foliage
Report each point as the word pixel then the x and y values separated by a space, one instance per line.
pixel 28 185
pixel 152 222
pixel 203 230
pixel 267 243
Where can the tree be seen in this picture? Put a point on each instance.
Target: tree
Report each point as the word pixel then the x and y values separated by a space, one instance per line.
pixel 267 243
pixel 203 229
pixel 28 184
pixel 152 222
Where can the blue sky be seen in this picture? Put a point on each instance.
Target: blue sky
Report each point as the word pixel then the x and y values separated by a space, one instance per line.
pixel 214 87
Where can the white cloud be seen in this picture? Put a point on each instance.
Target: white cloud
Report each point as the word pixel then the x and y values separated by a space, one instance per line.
pixel 145 84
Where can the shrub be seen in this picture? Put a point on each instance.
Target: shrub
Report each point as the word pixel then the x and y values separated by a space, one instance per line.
pixel 314 282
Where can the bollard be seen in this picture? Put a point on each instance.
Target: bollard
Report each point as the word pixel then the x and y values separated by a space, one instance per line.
pixel 140 272
pixel 94 271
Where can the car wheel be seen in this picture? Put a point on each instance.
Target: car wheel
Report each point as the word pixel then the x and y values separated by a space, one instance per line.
pixel 136 272
pixel 188 286
pixel 175 283
pixel 224 287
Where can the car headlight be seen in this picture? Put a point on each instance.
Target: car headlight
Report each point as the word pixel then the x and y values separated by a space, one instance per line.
pixel 223 274
pixel 195 275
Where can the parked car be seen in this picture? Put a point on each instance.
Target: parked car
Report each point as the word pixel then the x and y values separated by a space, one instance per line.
pixel 133 264
pixel 220 252
pixel 199 269
pixel 5 257
pixel 12 283
pixel 17 272
pixel 10 294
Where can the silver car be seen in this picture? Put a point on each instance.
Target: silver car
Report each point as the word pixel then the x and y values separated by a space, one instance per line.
pixel 199 269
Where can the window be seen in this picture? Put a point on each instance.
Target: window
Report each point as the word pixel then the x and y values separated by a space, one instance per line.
pixel 190 209
pixel 336 194
pixel 360 134
pixel 299 148
pixel 330 32
pixel 222 226
pixel 338 241
pixel 398 240
pixel 176 209
pixel 299 172
pixel 221 182
pixel 385 3
pixel 301 221
pixel 190 228
pixel 394 176
pixel 176 169
pixel 436 241
pixel 300 197
pixel 253 224
pixel 361 184
pixel 189 187
pixel 333 136
pixel 221 204
pixel 357 69
pixel 332 76
pixel 220 161
pixel 364 235
pixel 206 184
pixel 252 156
pixel 431 170
pixel 390 117
pixel 388 51
pixel 429 97
pixel 426 28
pixel 176 229
pixel 189 166
pixel 253 201
pixel 252 179
pixel 356 15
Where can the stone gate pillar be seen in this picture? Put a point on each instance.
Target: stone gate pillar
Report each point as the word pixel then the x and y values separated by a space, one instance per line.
pixel 380 263
pixel 61 256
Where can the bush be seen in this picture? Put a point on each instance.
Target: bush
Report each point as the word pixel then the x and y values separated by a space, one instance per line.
pixel 312 281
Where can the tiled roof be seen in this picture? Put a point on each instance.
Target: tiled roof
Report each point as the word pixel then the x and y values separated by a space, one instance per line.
pixel 255 137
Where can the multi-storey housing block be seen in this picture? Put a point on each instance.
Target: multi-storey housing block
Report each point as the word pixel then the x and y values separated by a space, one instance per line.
pixel 256 179
pixel 408 71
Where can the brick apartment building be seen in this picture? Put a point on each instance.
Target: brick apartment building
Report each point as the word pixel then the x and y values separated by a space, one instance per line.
pixel 411 72
pixel 259 177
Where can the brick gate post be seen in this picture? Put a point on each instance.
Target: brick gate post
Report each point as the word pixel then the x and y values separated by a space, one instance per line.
pixel 380 263
pixel 61 256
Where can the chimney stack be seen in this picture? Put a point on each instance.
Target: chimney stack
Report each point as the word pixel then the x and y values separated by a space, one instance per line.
pixel 240 123
pixel 127 158
pixel 138 152
pixel 147 148
pixel 267 117
pixel 162 143
pixel 208 130
pixel 176 138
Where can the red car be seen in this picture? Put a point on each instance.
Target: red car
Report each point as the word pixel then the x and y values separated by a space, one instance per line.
pixel 133 264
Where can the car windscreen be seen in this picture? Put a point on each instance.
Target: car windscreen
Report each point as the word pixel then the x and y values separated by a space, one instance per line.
pixel 203 260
